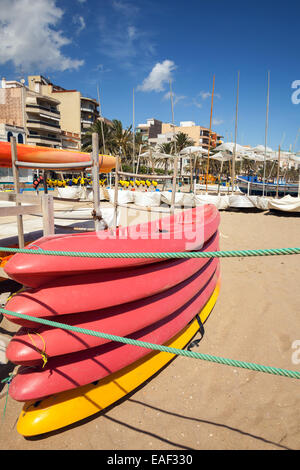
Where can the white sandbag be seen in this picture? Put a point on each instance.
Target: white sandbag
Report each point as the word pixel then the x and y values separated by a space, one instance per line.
pixel 287 204
pixel 166 197
pixel 104 196
pixel 70 192
pixel 124 197
pixel 221 202
pixel 242 201
pixel 262 203
pixel 189 200
pixel 147 199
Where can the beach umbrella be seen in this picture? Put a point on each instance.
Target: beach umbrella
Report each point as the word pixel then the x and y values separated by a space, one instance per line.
pixel 229 148
pixel 221 156
pixel 194 149
pixel 262 149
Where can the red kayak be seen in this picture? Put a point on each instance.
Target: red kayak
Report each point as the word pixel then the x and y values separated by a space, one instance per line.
pixel 184 231
pixel 80 368
pixel 83 293
pixel 122 320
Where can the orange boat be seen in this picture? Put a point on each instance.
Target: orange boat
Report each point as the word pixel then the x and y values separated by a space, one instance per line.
pixel 35 154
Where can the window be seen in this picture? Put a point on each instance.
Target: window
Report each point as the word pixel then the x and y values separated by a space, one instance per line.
pixel 20 139
pixel 9 135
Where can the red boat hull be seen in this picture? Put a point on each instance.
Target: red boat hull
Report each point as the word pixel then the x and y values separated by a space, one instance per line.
pixel 121 320
pixel 77 369
pixel 84 293
pixel 185 231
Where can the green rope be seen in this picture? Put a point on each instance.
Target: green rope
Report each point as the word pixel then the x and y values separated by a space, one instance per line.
pixel 157 347
pixel 7 381
pixel 187 254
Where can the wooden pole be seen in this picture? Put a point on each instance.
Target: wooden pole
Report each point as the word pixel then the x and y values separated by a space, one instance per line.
pixel 116 190
pixel 210 123
pixel 278 168
pixel 174 184
pixel 266 133
pixel 15 171
pixel 191 171
pixel 47 205
pixel 96 186
pixel 235 135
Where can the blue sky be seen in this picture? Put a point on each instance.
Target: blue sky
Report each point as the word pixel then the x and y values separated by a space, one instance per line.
pixel 121 45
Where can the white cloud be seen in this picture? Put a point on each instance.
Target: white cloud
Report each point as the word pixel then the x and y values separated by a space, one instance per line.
pixel 125 8
pixel 217 122
pixel 206 94
pixel 81 1
pixel 159 75
pixel 121 38
pixel 28 36
pixel 132 31
pixel 176 98
pixel 196 103
pixel 79 20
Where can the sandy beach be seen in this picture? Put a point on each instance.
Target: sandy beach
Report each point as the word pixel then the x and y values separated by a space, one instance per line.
pixel 198 405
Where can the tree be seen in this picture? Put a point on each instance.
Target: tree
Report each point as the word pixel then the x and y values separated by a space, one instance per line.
pixel 168 148
pixel 121 138
pixel 182 141
pixel 104 147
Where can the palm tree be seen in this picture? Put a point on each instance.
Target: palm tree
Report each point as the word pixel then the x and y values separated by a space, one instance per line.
pixel 168 148
pixel 121 138
pixel 104 146
pixel 182 141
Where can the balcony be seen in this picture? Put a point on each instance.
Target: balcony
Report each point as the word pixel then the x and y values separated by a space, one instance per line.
pixel 88 109
pixel 40 138
pixel 36 108
pixel 42 125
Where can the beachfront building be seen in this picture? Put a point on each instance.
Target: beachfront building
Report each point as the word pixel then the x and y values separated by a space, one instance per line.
pixel 149 130
pixel 36 115
pixel 199 134
pixel 155 132
pixel 77 112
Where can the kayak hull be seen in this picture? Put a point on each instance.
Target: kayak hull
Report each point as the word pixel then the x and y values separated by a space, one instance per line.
pixel 67 408
pixel 122 320
pixel 36 154
pixel 185 231
pixel 91 292
pixel 80 368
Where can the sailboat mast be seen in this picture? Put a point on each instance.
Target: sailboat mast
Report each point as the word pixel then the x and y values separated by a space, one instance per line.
pixel 266 132
pixel 210 123
pixel 133 132
pixel 101 121
pixel 235 135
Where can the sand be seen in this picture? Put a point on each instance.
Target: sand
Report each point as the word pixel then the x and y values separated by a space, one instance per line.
pixel 193 404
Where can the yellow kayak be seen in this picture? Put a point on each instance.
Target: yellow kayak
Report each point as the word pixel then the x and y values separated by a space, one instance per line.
pixel 63 409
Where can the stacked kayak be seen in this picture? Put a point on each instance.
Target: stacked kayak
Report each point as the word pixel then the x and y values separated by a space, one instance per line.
pixel 36 154
pixel 153 300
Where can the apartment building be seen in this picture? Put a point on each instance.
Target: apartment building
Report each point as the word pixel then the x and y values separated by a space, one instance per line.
pixel 37 116
pixel 77 112
pixel 199 134
pixel 150 129
pixel 156 132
